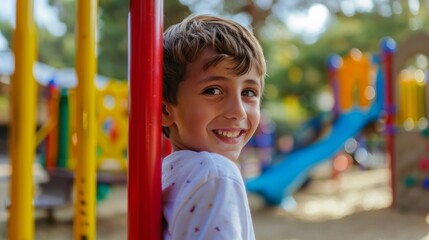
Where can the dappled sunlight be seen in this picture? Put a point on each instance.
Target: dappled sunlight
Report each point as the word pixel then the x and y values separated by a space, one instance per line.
pixel 353 192
pixel 333 207
pixel 427 221
pixel 355 205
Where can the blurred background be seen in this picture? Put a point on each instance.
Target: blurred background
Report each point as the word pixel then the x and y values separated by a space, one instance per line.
pixel 299 38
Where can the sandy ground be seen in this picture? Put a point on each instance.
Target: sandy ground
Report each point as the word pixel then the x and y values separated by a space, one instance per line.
pixel 353 207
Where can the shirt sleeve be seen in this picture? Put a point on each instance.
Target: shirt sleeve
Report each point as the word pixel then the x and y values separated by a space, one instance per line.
pixel 217 209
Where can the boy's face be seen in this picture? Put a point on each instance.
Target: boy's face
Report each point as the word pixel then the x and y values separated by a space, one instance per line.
pixel 217 111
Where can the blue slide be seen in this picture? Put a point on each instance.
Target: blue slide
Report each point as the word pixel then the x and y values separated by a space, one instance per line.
pixel 284 178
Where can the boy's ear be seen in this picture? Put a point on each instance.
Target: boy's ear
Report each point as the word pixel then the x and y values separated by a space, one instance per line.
pixel 167 114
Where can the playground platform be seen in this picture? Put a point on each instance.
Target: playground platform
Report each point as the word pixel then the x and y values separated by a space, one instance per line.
pixel 54 188
pixel 39 174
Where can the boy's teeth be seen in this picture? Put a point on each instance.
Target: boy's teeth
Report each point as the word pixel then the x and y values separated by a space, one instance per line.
pixel 228 134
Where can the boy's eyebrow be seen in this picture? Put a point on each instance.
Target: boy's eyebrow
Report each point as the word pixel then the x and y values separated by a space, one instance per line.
pixel 217 78
pixel 253 81
pixel 212 78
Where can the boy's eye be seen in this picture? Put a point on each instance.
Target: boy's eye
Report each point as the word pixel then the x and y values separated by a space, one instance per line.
pixel 249 93
pixel 212 91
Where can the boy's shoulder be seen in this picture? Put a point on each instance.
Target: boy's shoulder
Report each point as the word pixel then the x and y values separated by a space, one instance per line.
pixel 181 165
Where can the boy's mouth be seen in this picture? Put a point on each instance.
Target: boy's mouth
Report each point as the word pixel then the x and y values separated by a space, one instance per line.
pixel 229 133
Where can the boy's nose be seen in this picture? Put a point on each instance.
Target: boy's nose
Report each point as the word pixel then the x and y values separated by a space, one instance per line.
pixel 235 109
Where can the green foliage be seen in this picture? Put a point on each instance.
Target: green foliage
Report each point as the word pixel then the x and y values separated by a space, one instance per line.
pixel 54 52
pixel 7 31
pixel 174 12
pixel 294 67
pixel 362 31
pixel 59 51
pixel 113 38
pixel 112 35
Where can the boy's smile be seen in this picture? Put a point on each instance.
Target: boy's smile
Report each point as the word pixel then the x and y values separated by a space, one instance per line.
pixel 216 111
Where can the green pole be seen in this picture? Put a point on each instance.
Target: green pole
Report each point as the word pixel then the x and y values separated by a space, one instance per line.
pixel 63 129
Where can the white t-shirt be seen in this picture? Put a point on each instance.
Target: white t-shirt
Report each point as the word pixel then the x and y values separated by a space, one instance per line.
pixel 204 197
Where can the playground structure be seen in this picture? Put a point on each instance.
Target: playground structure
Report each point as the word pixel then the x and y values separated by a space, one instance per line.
pixel 144 167
pixel 410 154
pixel 282 179
pixel 23 110
pixel 371 83
pixel 59 132
pixel 58 142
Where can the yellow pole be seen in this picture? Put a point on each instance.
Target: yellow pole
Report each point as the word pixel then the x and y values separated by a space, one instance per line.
pixel 23 124
pixel 401 113
pixel 406 98
pixel 420 83
pixel 412 100
pixel 85 173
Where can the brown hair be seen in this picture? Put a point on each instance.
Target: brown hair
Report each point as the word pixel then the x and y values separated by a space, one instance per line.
pixel 183 42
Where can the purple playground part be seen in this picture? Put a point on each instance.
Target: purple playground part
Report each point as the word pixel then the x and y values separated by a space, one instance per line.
pixel 425 183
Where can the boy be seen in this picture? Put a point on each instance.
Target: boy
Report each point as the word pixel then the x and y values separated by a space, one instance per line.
pixel 213 81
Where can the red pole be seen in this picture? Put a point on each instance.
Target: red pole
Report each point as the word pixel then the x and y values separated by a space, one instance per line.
pixel 144 151
pixel 388 47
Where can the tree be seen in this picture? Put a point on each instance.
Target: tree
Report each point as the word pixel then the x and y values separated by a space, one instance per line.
pixel 113 38
pixel 112 35
pixel 287 55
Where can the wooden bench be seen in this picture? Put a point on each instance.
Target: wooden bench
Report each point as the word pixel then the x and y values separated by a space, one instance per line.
pixel 55 193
